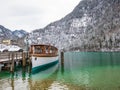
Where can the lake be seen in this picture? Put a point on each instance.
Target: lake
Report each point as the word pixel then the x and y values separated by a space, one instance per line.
pixel 80 71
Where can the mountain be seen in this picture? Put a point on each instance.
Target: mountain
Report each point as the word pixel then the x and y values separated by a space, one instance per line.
pixel 20 33
pixel 93 25
pixel 5 33
pixel 13 35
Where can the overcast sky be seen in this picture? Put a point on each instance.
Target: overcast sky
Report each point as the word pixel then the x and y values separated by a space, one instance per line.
pixel 33 14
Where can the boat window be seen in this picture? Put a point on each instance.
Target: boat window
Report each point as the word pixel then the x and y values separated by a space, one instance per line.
pixel 47 49
pixel 51 50
pixel 38 50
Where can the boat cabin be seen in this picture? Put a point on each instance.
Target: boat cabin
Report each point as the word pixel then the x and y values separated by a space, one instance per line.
pixel 43 50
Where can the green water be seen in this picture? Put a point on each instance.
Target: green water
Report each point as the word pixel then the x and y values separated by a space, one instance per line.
pixel 80 71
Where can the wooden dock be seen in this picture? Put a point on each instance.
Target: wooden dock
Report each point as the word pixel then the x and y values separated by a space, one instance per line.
pixel 7 56
pixel 9 59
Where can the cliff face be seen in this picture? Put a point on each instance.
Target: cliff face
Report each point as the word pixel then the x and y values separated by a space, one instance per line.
pixel 5 33
pixel 20 33
pixel 17 35
pixel 8 34
pixel 94 25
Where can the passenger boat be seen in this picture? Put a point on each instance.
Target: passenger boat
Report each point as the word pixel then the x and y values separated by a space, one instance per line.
pixel 43 57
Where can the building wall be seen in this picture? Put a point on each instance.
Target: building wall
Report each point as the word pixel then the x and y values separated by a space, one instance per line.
pixel 7 42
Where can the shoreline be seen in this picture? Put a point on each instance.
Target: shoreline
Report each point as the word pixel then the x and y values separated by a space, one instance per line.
pixel 93 50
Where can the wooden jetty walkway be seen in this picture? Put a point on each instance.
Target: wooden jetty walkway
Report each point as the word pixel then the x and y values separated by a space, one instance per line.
pixel 7 56
pixel 9 59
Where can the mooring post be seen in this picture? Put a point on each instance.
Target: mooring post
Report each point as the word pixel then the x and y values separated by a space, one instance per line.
pixel 30 58
pixel 62 61
pixel 19 55
pixel 12 63
pixel 62 58
pixel 23 59
pixel 23 73
pixel 1 67
pixel 29 70
pixel 9 57
pixel 16 56
pixel 17 60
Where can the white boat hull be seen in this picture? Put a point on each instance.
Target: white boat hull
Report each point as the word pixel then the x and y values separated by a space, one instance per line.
pixel 41 63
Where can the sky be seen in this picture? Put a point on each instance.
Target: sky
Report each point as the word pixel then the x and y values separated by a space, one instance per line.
pixel 33 14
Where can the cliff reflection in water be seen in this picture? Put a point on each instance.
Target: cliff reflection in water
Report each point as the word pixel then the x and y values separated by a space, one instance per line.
pixel 79 71
pixel 93 70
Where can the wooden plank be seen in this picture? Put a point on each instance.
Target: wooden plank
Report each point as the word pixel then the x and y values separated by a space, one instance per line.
pixel 7 56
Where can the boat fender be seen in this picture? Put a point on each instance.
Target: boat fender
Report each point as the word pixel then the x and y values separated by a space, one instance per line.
pixel 35 58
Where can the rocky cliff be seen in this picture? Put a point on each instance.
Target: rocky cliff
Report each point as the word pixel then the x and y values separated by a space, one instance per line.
pixel 6 33
pixel 20 33
pixel 9 34
pixel 17 35
pixel 94 25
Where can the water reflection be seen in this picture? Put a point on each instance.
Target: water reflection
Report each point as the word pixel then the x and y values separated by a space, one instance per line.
pixel 93 70
pixel 89 59
pixel 80 71
pixel 12 80
pixel 44 83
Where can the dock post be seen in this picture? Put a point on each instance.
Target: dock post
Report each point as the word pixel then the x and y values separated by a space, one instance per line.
pixel 30 63
pixel 62 61
pixel 16 56
pixel 12 63
pixel 23 59
pixel 62 58
pixel 19 55
pixel 17 62
pixel 9 56
pixel 1 67
pixel 23 73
